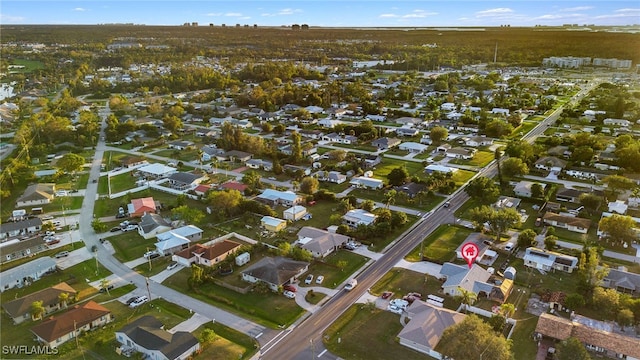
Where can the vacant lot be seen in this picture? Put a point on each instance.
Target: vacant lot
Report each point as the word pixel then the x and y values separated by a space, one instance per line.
pixel 330 268
pixel 441 244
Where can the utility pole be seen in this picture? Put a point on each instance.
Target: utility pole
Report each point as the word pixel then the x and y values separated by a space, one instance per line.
pixel 149 258
pixel 148 291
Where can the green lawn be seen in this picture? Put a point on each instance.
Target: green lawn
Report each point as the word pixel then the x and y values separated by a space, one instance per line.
pixel 480 159
pixel 441 244
pixel 365 333
pixel 334 276
pixel 523 345
pixel 157 266
pixel 402 281
pixel 180 155
pixel 230 343
pixel 462 176
pixel 314 297
pixel 378 196
pixel 29 65
pixel 387 164
pixel 68 202
pixel 270 309
pixel 121 182
pixel 130 245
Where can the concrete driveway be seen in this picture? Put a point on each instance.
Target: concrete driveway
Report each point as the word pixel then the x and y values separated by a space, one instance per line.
pixel 191 324
pixel 75 257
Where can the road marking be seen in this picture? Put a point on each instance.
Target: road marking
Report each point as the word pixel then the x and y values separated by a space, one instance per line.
pixel 257 336
pixel 322 353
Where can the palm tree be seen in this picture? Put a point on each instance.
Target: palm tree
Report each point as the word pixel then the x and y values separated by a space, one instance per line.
pixel 390 198
pixel 104 283
pixel 64 298
pixel 37 310
pixel 467 298
pixel 498 154
pixel 507 310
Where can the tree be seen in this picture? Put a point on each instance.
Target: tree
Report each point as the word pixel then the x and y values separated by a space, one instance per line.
pixel 309 185
pixel 398 218
pixel 70 163
pixel 550 242
pixel 507 310
pixel 467 298
pixel 513 167
pixel 618 228
pixel 342 264
pixel 471 336
pixel 390 198
pixel 527 238
pixel 498 128
pixel 498 220
pixel 483 189
pixel 438 134
pixel 187 214
pixel 536 190
pixel 197 276
pixel 591 202
pixel 615 183
pixel 104 284
pixel 63 298
pixel 37 310
pixel 208 336
pixel 497 322
pixel 574 301
pixel 591 273
pixel 296 147
pixel 252 179
pixel 225 202
pixel 497 154
pixel 606 301
pixel 398 176
pixel 368 205
pixel 572 349
pixel 625 317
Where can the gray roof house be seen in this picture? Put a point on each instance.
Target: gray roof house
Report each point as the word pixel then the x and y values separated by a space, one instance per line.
pixel 20 228
pixel 147 335
pixel 385 143
pixel 25 274
pixel 476 280
pixel 427 323
pixel 151 225
pixel 185 180
pixel 275 271
pixel 37 194
pixel 549 260
pixel 23 248
pixel 623 281
pixel 20 309
pixel 320 242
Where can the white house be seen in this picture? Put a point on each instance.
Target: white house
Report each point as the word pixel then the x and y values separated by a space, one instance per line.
pixel 448 106
pixel 523 188
pixel 461 153
pixel 548 260
pixel 294 213
pixel 439 168
pixel 148 336
pixel 366 182
pixel 320 242
pixel 617 122
pixel 274 197
pixel 413 147
pixel 500 111
pixel 357 217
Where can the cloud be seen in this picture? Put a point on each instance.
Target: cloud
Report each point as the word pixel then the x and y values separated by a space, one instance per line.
pixel 289 11
pixel 213 14
pixel 548 17
pixel 11 19
pixel 627 10
pixel 388 16
pixel 245 18
pixel 494 12
pixel 233 14
pixel 79 9
pixel 415 14
pixel 577 8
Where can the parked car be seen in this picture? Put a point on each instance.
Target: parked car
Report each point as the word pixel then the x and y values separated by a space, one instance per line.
pixel 130 228
pixel 309 279
pixel 289 294
pixel 386 294
pixel 109 287
pixel 290 287
pixel 139 301
pixel 319 279
pixel 121 215
pixel 62 254
pixel 53 241
pixel 124 224
pixel 151 254
pixel 172 266
pixel 509 246
pixel 115 229
pixel 131 299
pixel 447 204
pixel 394 309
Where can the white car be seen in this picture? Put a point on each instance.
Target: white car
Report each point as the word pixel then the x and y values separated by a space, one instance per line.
pixel 399 303
pixel 394 309
pixel 309 279
pixel 172 266
pixel 289 294
pixel 139 301
pixel 319 279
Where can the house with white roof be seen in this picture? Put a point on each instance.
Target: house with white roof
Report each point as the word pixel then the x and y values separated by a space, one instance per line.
pixel 448 106
pixel 276 197
pixel 156 171
pixel 294 213
pixel 332 176
pixel 618 206
pixel 523 188
pixel 549 260
pixel 356 217
pixel 27 273
pixel 413 147
pixel 366 182
pixel 500 111
pixel 616 122
pixel 320 242
pixel 431 168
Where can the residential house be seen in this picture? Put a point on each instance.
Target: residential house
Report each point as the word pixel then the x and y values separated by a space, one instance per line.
pixel 426 325
pixel 409 121
pixel 550 163
pixel 21 248
pixel 141 206
pixel 596 336
pixel 623 281
pixel 185 180
pixel 378 118
pixel 235 156
pixel 151 225
pixel 406 131
pixel 481 240
pixel 275 271
pixel 25 274
pixel 476 280
pixel 461 153
pixel 329 123
pixel 448 106
pixel 20 309
pixel 332 176
pixel 573 195
pixel 320 242
pixel 311 134
pixel 273 224
pixel 340 139
pixel 426 139
pixel 366 182
pixel 180 144
pixel 523 188
pixel 233 185
pixel 178 239
pixel 209 153
pixel 36 195
pixel 413 147
pixel 295 169
pixel 385 143
pixel 206 255
pixel 443 148
pixel 274 197
pixel 616 122
pixel 571 223
pixel 549 261
pixel 57 330
pixel 20 228
pixel 431 168
pixel 507 202
pixel 500 111
pixel 411 189
pixel 368 160
pixel 618 206
pixel 156 171
pixel 259 164
pixel 133 161
pixel 202 189
pixel 294 213
pixel 357 217
pixel 147 336
pixel 476 141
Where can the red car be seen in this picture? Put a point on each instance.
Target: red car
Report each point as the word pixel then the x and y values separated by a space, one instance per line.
pixel 386 294
pixel 290 288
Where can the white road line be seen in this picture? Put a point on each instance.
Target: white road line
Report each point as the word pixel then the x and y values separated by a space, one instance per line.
pixel 322 353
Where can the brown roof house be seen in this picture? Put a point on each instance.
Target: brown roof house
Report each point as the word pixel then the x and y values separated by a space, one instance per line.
pixel 147 336
pixel 427 323
pixel 275 271
pixel 597 336
pixel 206 255
pixel 20 309
pixel 59 329
pixel 570 223
pixel 37 194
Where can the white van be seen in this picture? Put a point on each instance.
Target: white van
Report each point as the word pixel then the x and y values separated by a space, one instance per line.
pixel 351 284
pixel 509 246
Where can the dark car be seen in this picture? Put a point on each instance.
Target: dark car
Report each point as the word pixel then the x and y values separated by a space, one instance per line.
pixel 290 288
pixel 115 229
pixel 386 294
pixel 109 287
pixel 132 299
pixel 121 215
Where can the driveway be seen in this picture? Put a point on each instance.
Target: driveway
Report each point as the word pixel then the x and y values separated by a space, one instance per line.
pixel 302 293
pixel 75 257
pixel 191 324
pixel 164 274
pixel 423 267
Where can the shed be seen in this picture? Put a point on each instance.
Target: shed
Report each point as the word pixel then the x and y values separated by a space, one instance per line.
pixel 243 258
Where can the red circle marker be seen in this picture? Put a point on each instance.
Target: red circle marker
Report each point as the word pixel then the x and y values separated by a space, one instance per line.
pixel 470 252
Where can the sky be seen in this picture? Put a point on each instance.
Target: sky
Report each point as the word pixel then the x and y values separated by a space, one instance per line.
pixel 339 13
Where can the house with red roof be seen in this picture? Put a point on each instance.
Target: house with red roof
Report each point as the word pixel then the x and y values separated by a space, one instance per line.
pixel 202 189
pixel 139 207
pixel 206 255
pixel 232 185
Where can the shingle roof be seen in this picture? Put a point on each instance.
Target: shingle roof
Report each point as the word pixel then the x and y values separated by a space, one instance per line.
pixel 49 297
pixel 428 323
pixel 147 332
pixel 36 192
pixel 569 220
pixel 275 270
pixel 20 225
pixel 184 177
pixel 321 240
pixel 150 221
pixel 64 323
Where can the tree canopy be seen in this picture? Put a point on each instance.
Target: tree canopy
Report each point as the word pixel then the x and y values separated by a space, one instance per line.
pixel 483 189
pixel 472 337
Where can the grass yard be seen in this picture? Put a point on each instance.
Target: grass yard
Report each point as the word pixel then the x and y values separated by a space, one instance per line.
pixel 29 65
pixel 365 333
pixel 270 309
pixel 523 346
pixel 130 245
pixel 157 266
pixel 68 202
pixel 11 264
pixel 524 128
pixel 462 176
pixel 314 297
pixel 362 147
pixel 387 164
pixel 333 275
pixel 180 155
pixel 425 205
pixel 121 182
pixel 230 344
pixel 441 245
pixel 480 159
pixel 333 187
